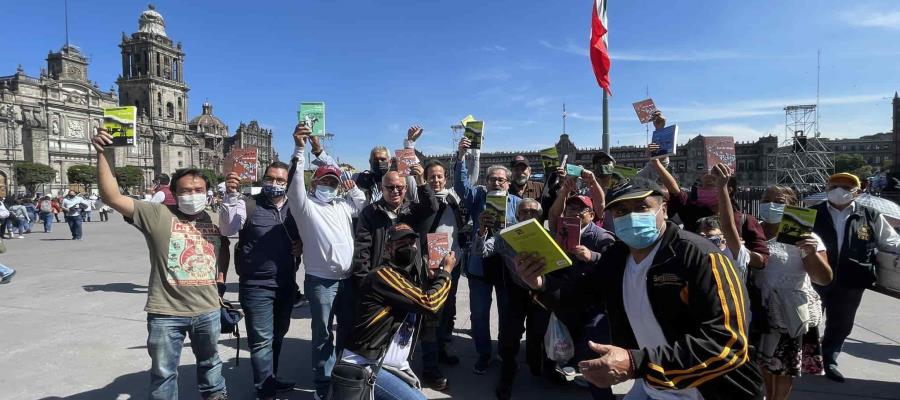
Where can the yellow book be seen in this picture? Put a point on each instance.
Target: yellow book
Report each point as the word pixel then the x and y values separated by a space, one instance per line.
pixel 530 236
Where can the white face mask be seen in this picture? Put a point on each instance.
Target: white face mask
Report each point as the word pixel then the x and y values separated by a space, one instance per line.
pixel 326 193
pixel 840 196
pixel 192 204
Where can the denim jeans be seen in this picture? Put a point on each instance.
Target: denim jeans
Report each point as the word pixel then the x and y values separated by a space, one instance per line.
pixel 48 221
pixel 5 271
pixel 327 298
pixel 166 334
pixel 389 387
pixel 480 299
pixel 74 226
pixel 267 313
pixel 86 216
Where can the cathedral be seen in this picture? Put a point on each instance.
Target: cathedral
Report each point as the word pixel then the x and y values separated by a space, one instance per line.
pixel 50 119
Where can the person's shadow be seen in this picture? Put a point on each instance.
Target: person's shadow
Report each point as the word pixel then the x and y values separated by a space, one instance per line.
pixel 119 287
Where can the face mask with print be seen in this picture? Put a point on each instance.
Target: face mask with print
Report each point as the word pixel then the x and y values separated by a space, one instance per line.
pixel 707 197
pixel 326 193
pixel 379 167
pixel 840 196
pixel 192 204
pixel 717 240
pixel 771 212
pixel 273 190
pixel 637 230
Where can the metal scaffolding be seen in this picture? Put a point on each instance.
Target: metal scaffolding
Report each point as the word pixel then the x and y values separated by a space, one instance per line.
pixel 801 161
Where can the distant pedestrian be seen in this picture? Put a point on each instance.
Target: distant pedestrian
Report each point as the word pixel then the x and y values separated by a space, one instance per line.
pixel 103 210
pixel 20 219
pixel 73 205
pixel 56 208
pixel 45 210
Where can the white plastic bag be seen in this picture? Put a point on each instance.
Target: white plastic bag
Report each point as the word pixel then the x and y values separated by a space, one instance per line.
pixel 558 342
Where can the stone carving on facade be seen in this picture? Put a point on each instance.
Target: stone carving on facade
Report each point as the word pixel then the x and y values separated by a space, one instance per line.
pixel 38 121
pixel 75 129
pixel 54 126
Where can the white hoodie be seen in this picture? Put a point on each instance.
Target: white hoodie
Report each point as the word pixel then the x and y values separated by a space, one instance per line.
pixel 326 228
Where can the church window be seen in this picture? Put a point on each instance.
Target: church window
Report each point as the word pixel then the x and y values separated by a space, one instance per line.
pixel 159 98
pixel 170 110
pixel 179 116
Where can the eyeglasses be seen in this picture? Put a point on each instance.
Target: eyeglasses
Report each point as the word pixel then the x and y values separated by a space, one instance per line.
pixel 274 180
pixel 497 179
pixel 397 189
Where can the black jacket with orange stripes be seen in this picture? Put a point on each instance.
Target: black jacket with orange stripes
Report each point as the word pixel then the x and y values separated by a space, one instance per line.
pixel 387 294
pixel 698 301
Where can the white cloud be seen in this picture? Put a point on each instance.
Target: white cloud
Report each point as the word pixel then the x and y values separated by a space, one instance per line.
pixel 868 18
pixel 493 48
pixel 645 56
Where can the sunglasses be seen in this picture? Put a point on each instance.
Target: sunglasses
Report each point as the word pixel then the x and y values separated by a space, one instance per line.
pixel 397 189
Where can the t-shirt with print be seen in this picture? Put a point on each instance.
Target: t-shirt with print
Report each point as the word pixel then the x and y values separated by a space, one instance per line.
pixel 182 260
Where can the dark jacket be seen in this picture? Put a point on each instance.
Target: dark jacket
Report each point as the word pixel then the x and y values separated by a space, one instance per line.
pixel 386 296
pixel 699 303
pixel 856 266
pixel 263 254
pixel 373 223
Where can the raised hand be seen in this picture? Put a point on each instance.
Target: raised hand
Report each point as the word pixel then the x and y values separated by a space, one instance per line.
pixel 232 182
pixel 301 134
pixel 464 145
pixel 721 173
pixel 652 148
pixel 101 139
pixel 348 185
pixel 418 173
pixel 449 262
pixel 530 268
pixel 414 132
pixel 588 177
pixel 659 120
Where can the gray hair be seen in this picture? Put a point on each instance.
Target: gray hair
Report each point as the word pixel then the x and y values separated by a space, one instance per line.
pixel 526 201
pixel 495 167
pixel 378 149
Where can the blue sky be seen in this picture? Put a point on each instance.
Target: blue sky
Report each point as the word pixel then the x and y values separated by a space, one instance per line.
pixel 717 68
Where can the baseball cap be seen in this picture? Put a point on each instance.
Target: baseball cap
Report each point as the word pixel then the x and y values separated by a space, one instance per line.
pixel 602 157
pixel 631 190
pixel 584 200
pixel 400 231
pixel 519 159
pixel 845 176
pixel 326 170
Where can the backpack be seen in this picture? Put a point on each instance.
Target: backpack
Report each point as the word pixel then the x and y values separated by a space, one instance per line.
pixel 46 207
pixel 229 316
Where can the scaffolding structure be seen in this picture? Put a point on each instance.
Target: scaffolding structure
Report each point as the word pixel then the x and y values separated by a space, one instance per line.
pixel 801 161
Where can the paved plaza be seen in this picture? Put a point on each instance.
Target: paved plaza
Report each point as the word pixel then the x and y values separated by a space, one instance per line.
pixel 72 326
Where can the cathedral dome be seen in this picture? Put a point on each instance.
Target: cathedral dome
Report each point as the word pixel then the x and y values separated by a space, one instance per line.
pixel 152 21
pixel 207 122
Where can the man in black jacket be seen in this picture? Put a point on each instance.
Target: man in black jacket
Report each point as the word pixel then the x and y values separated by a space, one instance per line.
pixel 852 234
pixel 393 298
pixel 677 309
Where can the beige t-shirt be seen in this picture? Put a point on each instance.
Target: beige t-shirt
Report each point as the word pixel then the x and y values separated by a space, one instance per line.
pixel 182 260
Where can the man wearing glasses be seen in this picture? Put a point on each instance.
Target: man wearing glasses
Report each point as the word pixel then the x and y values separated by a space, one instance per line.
pixel 483 273
pixel 266 261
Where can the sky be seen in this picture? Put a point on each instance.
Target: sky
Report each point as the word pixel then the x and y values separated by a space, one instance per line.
pixel 716 68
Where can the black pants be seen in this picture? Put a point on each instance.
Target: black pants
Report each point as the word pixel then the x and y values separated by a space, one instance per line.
pixel 840 305
pixel 518 315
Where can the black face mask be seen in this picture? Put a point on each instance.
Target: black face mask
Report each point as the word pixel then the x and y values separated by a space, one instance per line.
pixel 379 167
pixel 405 257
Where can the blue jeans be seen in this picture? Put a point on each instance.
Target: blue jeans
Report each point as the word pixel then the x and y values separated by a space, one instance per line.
pixel 86 216
pixel 389 387
pixel 267 313
pixel 74 226
pixel 48 221
pixel 480 300
pixel 5 271
pixel 327 298
pixel 164 343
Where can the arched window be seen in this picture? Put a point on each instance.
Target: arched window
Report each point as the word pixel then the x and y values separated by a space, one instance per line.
pixel 170 110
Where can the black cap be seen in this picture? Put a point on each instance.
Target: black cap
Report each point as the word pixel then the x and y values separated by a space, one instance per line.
pixel 519 159
pixel 632 189
pixel 602 157
pixel 400 231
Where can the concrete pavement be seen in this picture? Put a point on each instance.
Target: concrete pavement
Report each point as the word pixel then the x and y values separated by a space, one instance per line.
pixel 72 326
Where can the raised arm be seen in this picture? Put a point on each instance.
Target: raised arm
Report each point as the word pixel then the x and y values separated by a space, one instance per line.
pixel 233 210
pixel 726 211
pixel 297 197
pixel 464 187
pixel 559 205
pixel 598 196
pixel 109 187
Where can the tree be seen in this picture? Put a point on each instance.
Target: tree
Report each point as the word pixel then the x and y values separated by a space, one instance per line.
pixel 30 175
pixel 864 171
pixel 848 162
pixel 214 178
pixel 129 177
pixel 82 174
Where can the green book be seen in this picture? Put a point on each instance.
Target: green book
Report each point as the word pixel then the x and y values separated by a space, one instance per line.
pixel 496 205
pixel 474 132
pixel 549 159
pixel 796 224
pixel 119 123
pixel 574 170
pixel 313 115
pixel 530 236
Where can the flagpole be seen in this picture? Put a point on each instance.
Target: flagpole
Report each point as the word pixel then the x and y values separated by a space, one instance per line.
pixel 605 122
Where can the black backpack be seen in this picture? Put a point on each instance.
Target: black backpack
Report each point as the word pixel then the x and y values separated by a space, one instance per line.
pixel 229 317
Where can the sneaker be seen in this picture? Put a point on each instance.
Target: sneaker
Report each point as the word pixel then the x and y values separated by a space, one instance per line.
pixel 19 237
pixel 284 386
pixel 434 379
pixel 300 300
pixel 8 278
pixel 481 366
pixel 831 372
pixel 445 357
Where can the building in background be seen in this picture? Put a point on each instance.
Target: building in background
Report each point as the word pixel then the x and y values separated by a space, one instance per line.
pixel 252 135
pixel 212 134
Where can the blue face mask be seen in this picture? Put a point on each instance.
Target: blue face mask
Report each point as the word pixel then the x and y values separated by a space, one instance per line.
pixel 637 230
pixel 771 212
pixel 326 193
pixel 272 190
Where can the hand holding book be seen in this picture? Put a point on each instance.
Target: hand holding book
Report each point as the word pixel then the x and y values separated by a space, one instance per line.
pixel 530 267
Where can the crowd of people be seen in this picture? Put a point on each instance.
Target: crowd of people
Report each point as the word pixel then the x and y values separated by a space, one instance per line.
pixel 676 290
